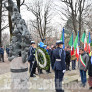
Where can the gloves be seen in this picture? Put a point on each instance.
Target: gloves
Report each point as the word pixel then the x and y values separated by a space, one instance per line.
pixel 64 71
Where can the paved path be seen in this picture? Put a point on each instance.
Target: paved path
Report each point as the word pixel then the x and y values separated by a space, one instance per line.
pixel 42 83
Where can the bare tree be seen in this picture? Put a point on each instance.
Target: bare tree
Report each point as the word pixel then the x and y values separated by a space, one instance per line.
pixel 0 18
pixel 71 10
pixel 76 9
pixel 2 27
pixel 88 17
pixel 5 39
pixel 42 13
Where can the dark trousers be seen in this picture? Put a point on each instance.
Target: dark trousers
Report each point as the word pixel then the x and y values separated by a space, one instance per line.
pixel 73 64
pixel 32 68
pixel 83 76
pixel 67 65
pixel 48 71
pixel 58 80
pixel 2 57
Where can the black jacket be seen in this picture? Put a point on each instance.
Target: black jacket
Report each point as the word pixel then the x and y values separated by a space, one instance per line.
pixel 90 67
pixel 68 57
pixel 31 53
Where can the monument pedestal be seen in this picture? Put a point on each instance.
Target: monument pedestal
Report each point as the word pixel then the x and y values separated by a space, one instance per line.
pixel 19 75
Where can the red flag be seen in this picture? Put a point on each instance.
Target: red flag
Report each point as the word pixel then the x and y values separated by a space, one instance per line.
pixel 77 51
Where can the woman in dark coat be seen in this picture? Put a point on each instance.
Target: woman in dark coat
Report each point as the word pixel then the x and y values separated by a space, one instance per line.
pixel 90 72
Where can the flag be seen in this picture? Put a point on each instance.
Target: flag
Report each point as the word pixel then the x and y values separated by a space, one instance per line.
pixel 76 45
pixel 85 43
pixel 88 42
pixel 83 37
pixel 71 44
pixel 62 38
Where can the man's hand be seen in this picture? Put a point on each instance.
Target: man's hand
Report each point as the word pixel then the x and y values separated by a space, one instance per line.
pixel 64 71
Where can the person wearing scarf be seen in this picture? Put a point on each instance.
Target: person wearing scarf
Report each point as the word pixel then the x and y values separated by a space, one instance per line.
pixel 83 63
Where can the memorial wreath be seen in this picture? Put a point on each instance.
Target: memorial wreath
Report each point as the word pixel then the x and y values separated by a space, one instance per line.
pixel 42 58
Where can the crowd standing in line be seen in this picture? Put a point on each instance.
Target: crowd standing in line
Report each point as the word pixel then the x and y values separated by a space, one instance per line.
pixel 60 62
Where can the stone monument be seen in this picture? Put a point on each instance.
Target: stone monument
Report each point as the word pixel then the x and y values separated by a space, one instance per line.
pixel 19 47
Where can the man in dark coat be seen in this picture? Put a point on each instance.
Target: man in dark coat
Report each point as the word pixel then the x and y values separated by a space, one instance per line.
pixel 67 59
pixel 31 59
pixel 1 54
pixel 51 56
pixel 59 66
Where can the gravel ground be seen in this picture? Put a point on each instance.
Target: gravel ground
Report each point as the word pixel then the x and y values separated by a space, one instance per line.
pixel 72 87
pixel 4 66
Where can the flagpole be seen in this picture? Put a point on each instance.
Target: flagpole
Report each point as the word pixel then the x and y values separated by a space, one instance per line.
pixel 78 39
pixel 63 38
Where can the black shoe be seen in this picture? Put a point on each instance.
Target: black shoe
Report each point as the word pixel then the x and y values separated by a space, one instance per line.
pixel 48 72
pixel 69 69
pixel 32 76
pixel 90 88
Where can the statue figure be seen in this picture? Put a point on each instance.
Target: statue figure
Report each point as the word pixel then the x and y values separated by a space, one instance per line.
pixel 21 37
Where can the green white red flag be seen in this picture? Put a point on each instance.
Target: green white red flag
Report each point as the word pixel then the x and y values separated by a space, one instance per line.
pixel 76 46
pixel 71 44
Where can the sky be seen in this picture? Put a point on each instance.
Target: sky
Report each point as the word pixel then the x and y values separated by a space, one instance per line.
pixel 57 22
pixel 27 15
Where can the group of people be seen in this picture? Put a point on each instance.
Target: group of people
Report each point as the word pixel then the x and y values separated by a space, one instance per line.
pixel 57 57
pixel 33 62
pixel 84 64
pixel 2 52
pixel 60 62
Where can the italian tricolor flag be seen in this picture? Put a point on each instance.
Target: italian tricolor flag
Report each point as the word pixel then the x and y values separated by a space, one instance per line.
pixel 76 47
pixel 71 44
pixel 81 60
pixel 88 42
pixel 84 40
pixel 85 43
pixel 77 51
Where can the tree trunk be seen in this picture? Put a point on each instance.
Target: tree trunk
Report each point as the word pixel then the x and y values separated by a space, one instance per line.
pixel 74 20
pixel 74 24
pixel 0 21
pixel 80 19
pixel 10 25
pixel 18 4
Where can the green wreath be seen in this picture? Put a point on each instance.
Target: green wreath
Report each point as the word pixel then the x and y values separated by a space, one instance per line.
pixel 43 59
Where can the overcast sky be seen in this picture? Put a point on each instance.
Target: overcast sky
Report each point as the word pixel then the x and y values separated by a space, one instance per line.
pixel 57 22
pixel 27 15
